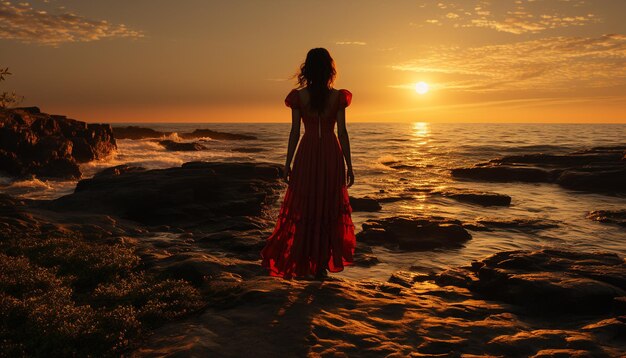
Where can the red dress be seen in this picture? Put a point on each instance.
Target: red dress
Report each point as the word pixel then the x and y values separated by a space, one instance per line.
pixel 314 228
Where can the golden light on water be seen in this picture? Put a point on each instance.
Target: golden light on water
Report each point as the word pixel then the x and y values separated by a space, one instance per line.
pixel 421 129
pixel 422 87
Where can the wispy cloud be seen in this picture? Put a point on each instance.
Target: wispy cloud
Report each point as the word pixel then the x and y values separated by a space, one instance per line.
pixel 513 16
pixel 556 63
pixel 22 22
pixel 358 43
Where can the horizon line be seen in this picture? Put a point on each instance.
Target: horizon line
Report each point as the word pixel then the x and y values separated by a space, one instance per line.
pixel 371 122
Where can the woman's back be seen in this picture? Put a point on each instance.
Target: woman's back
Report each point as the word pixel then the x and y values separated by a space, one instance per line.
pixel 319 123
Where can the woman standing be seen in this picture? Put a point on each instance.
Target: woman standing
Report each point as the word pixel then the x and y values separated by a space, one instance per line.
pixel 314 232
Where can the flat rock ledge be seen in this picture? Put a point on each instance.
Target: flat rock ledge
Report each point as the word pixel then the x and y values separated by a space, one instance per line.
pixel 542 303
pixel 195 195
pixel 414 233
pixel 476 197
pixel 599 169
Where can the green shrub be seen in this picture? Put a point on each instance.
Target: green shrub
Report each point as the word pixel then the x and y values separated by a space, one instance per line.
pixel 63 296
pixel 86 263
pixel 156 300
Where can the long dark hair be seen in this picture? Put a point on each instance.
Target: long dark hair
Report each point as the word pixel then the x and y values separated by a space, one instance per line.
pixel 317 74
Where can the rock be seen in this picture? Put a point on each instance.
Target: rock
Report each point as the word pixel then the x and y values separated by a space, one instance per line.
pixel 480 198
pixel 30 110
pixel 553 280
pixel 610 328
pixel 191 267
pixel 200 133
pixel 414 233
pixel 455 277
pixel 404 166
pixel 513 303
pixel 617 217
pixel 197 194
pixel 181 147
pixel 619 305
pixel 118 170
pixel 364 204
pixel 500 173
pixel 600 169
pixel 407 278
pixel 594 179
pixel 35 143
pixel 135 132
pixel 585 157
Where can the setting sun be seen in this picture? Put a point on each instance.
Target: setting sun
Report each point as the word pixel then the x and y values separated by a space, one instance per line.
pixel 421 87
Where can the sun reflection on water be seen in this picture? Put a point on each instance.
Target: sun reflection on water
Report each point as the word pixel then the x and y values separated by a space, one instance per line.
pixel 421 129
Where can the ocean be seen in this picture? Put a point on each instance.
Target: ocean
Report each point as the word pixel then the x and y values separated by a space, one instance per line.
pixel 425 152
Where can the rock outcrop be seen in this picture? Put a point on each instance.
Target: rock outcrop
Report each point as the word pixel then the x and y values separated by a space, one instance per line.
pixel 617 217
pixel 364 204
pixel 181 146
pixel 454 313
pixel 414 233
pixel 51 146
pixel 197 194
pixel 512 303
pixel 550 280
pixel 600 169
pixel 477 197
pixel 135 132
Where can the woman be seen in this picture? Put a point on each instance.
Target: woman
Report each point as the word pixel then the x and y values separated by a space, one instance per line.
pixel 314 232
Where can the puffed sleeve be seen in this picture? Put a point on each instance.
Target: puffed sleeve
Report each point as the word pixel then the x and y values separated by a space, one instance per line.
pixel 345 97
pixel 293 99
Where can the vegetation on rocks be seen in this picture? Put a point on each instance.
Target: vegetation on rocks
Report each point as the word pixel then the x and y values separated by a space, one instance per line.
pixel 61 295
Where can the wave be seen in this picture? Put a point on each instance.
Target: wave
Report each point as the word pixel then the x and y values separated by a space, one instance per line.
pixel 35 188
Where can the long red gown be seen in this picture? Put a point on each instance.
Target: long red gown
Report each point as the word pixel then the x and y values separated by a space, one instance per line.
pixel 314 227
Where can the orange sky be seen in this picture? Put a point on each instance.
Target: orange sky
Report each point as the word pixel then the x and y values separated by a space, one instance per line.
pixel 214 61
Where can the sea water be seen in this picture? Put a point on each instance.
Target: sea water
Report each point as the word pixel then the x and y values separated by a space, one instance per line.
pixel 427 152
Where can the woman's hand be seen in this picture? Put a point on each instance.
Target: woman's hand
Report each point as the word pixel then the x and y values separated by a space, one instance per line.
pixel 286 174
pixel 350 178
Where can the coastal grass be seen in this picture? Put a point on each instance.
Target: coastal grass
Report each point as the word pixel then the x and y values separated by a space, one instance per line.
pixel 61 295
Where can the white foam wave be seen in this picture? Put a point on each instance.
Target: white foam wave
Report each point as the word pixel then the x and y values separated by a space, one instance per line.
pixel 35 188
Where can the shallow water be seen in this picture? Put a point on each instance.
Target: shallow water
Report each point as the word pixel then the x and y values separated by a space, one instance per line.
pixel 428 152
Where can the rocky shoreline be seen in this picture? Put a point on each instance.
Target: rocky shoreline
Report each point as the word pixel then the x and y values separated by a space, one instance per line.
pixel 204 224
pixel 166 262
pixel 600 169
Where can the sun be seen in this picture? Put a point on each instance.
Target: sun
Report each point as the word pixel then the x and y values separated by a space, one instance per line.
pixel 421 87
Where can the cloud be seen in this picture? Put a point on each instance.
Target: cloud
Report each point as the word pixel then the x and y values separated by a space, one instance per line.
pixel 23 23
pixel 359 43
pixel 514 16
pixel 550 64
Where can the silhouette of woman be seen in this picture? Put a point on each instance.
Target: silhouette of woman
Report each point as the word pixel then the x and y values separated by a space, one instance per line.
pixel 314 232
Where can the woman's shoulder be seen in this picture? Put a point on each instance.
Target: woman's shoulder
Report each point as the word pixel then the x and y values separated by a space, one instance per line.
pixel 293 98
pixel 345 97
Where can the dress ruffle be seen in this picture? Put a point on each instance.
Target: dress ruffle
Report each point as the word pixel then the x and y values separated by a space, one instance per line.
pixel 300 246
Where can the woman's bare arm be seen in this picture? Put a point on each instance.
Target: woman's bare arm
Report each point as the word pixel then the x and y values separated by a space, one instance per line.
pixel 294 137
pixel 344 140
